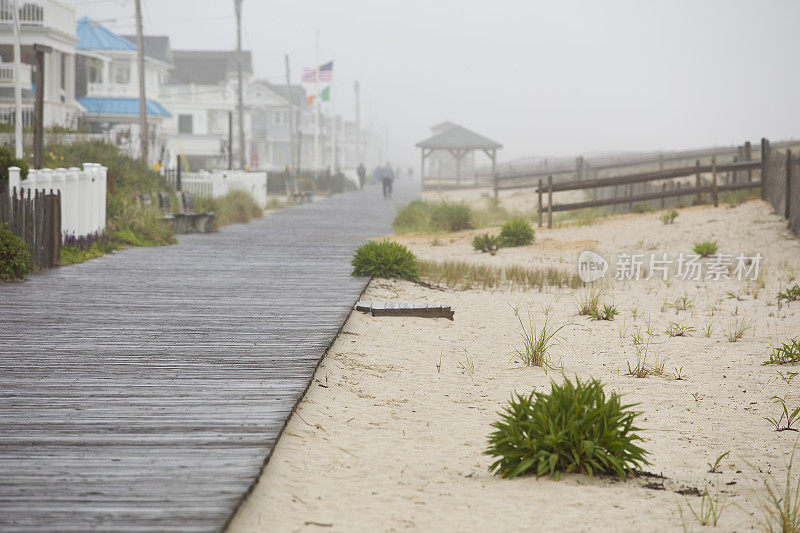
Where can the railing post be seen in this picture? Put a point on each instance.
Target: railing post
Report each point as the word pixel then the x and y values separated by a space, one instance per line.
pixel 549 202
pixel 764 163
pixel 698 182
pixel 541 191
pixel 663 195
pixel 178 175
pixel 748 156
pixel 788 198
pixel 714 180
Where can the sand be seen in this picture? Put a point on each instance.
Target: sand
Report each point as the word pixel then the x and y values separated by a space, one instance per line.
pixel 384 440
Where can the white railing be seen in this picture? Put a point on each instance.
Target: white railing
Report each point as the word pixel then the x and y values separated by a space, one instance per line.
pixel 53 14
pixel 8 114
pixel 218 183
pixel 111 89
pixel 83 194
pixel 7 75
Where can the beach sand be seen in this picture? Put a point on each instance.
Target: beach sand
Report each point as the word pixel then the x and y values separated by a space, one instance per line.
pixel 390 435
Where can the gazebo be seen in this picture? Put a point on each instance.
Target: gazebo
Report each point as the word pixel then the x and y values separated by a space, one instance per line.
pixel 458 141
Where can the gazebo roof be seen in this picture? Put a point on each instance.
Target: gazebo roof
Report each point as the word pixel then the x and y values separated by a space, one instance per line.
pixel 458 137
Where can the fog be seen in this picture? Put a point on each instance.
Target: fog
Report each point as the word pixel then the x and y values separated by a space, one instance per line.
pixel 543 78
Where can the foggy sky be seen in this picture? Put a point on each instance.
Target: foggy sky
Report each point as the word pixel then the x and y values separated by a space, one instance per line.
pixel 540 77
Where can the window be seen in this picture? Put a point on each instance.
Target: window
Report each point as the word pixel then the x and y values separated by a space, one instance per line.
pixel 185 123
pixel 279 117
pixel 122 72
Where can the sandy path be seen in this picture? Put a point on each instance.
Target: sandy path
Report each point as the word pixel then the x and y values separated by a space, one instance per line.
pixel 384 441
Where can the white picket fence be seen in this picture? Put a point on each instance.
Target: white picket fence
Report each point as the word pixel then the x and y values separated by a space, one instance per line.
pixel 218 183
pixel 83 194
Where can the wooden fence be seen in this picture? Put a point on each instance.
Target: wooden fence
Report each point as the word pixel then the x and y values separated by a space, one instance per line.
pixel 778 175
pixel 35 217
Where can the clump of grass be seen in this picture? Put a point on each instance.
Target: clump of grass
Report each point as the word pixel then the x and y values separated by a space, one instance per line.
pixel 781 507
pixel 573 429
pixel 485 243
pixel 682 303
pixel 581 217
pixel 642 208
pixel 589 301
pixel 669 217
pixel 705 248
pixel 679 330
pixel 791 294
pixel 785 353
pixel 790 417
pixel 468 364
pixel 466 276
pixel 413 218
pixel 734 199
pixel 608 312
pixel 14 255
pixel 517 232
pixel 713 468
pixel 385 259
pixel 451 216
pixel 710 509
pixel 535 344
pixel 236 207
pixel 737 328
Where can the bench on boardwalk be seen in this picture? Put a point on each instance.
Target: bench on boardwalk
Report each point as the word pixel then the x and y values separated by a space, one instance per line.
pixel 185 220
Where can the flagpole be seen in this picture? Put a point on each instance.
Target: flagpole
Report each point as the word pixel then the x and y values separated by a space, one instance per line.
pixel 335 152
pixel 316 108
pixel 18 152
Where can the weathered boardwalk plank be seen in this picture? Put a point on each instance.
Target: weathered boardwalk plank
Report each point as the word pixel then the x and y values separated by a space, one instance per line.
pixel 143 391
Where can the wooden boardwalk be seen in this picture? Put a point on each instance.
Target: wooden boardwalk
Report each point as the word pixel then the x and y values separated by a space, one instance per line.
pixel 144 390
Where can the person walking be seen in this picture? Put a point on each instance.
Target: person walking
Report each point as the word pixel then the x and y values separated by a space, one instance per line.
pixel 387 177
pixel 362 175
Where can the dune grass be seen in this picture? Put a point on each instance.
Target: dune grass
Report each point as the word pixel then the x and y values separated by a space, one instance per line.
pixel 466 276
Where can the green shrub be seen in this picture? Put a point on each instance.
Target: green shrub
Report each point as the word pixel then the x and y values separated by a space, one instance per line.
pixel 517 232
pixel 414 217
pixel 7 159
pixel 451 216
pixel 485 243
pixel 642 208
pixel 14 257
pixel 385 259
pixel 705 248
pixel 575 428
pixel 236 207
pixel 136 226
pixel 127 175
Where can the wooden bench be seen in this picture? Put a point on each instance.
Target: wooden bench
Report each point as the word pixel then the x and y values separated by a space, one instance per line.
pixel 185 220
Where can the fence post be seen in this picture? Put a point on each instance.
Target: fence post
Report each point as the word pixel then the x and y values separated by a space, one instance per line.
pixel 787 199
pixel 664 196
pixel 496 179
pixel 13 184
pixel 541 191
pixel 714 180
pixel 549 202
pixel 764 163
pixel 178 175
pixel 698 182
pixel 748 156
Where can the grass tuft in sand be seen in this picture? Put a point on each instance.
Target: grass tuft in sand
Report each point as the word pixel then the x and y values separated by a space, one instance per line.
pixel 466 276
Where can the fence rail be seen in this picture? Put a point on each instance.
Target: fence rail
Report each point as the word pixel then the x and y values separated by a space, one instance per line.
pixel 35 217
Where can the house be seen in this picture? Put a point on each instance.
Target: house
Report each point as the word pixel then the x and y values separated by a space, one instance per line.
pixel 201 96
pixel 49 24
pixel 270 126
pixel 107 87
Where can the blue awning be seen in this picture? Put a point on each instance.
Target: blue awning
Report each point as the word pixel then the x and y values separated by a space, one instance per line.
pixel 120 106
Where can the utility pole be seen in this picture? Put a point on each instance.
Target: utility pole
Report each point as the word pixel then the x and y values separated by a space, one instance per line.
pixel 316 107
pixel 38 106
pixel 238 4
pixel 230 140
pixel 142 98
pixel 357 88
pixel 291 113
pixel 18 86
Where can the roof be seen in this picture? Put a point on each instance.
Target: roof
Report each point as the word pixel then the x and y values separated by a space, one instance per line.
pixel 120 106
pixel 94 36
pixel 155 46
pixel 442 126
pixel 458 137
pixel 207 67
pixel 296 92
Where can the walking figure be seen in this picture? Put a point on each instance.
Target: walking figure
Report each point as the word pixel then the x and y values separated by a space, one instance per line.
pixel 387 176
pixel 362 175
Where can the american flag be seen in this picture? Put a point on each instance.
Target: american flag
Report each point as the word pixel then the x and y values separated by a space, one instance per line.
pixel 325 72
